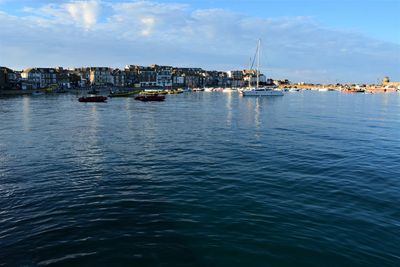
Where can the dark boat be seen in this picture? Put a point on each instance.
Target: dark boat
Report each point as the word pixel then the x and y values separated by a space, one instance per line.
pixel 93 99
pixel 150 98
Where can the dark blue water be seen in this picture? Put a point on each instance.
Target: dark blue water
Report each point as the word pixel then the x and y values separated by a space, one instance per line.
pixel 202 179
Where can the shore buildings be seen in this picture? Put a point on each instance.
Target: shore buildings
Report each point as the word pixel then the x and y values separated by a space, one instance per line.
pixel 133 76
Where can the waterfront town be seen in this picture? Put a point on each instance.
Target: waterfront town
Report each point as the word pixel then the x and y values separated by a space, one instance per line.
pixel 136 77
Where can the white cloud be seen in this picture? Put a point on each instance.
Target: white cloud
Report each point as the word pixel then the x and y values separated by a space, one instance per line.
pixel 81 13
pixel 148 24
pixel 84 12
pixel 145 32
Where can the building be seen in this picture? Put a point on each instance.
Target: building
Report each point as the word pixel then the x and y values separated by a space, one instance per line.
pixel 164 78
pixel 3 78
pixel 236 75
pixel 147 76
pixel 79 77
pixel 40 77
pixel 253 79
pixel 388 84
pixel 132 75
pixel 192 81
pixel 178 81
pixel 33 76
pixel 62 77
pixel 118 78
pixel 99 76
pixel 386 80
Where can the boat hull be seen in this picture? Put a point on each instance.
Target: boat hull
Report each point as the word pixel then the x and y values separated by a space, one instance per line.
pixel 262 93
pixel 147 98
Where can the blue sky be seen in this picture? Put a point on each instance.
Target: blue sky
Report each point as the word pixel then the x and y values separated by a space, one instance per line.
pixel 310 40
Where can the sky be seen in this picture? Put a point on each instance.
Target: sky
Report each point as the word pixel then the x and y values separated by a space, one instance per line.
pixel 320 41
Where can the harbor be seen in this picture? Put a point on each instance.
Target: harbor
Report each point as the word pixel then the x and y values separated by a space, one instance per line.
pixel 134 79
pixel 158 133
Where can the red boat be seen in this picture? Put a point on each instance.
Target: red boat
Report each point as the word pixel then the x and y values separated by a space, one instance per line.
pixel 150 98
pixel 93 99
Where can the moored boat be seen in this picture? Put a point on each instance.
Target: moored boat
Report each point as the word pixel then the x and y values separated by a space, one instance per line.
pixel 120 94
pixel 154 92
pixel 153 97
pixel 268 90
pixel 92 99
pixel 264 91
pixel 354 90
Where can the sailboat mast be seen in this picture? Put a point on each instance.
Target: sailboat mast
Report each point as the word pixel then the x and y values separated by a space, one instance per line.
pixel 258 62
pixel 249 73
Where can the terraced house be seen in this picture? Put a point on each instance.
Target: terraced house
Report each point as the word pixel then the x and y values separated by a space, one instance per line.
pixel 101 76
pixel 40 77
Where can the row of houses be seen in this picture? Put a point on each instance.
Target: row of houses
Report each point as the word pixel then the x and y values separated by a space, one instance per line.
pixel 130 76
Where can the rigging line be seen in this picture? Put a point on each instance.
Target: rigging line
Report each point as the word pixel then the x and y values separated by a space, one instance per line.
pixel 254 58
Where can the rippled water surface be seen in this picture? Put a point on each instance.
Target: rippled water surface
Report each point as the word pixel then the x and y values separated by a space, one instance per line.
pixel 202 179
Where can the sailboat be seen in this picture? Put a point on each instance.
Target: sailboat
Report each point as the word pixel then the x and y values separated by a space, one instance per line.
pixel 269 90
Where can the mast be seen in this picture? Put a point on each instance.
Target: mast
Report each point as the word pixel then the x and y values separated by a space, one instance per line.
pixel 258 62
pixel 249 73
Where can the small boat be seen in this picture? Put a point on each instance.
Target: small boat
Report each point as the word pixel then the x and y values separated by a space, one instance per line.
pixel 154 92
pixel 120 94
pixel 264 91
pixel 354 90
pixel 150 97
pixel 93 99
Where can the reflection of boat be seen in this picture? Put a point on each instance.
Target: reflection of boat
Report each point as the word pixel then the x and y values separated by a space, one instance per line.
pixel 173 92
pixel 153 97
pixel 93 99
pixel 37 93
pixel 269 90
pixel 93 92
pixel 229 90
pixel 120 94
pixel 61 91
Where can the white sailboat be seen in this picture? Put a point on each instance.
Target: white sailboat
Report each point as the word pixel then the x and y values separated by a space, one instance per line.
pixel 269 90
